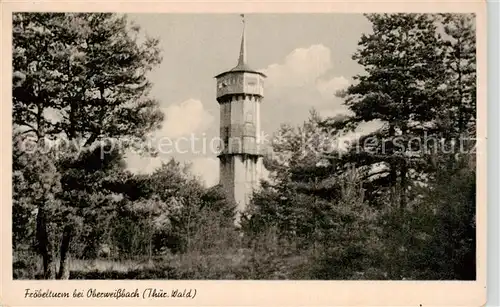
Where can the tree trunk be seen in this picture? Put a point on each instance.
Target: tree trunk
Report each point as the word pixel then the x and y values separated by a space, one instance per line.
pixel 150 247
pixel 43 244
pixel 390 152
pixel 65 254
pixel 404 184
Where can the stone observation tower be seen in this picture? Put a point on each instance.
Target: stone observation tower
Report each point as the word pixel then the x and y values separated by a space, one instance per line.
pixel 239 93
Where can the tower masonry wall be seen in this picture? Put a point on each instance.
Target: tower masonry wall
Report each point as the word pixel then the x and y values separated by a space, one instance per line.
pixel 240 125
pixel 239 93
pixel 241 166
pixel 247 175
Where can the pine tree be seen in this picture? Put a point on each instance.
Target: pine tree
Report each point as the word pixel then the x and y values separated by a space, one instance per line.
pixel 458 121
pixel 401 87
pixel 82 79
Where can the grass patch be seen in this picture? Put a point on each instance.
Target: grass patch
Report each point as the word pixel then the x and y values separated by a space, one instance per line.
pixel 231 265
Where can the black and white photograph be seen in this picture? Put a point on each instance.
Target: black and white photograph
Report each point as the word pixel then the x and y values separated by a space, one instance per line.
pixel 244 146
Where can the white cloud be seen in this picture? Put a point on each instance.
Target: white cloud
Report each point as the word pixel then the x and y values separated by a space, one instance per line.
pixel 207 169
pixel 328 88
pixel 362 130
pixel 305 77
pixel 369 127
pixel 341 110
pixel 301 67
pixel 184 118
pixel 138 164
pixel 181 119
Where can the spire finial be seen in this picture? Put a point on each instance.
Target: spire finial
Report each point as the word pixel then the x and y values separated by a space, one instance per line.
pixel 242 60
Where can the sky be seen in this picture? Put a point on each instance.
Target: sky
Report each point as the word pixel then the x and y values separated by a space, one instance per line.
pixel 307 58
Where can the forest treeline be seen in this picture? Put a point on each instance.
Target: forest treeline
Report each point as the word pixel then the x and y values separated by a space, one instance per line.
pixel 396 203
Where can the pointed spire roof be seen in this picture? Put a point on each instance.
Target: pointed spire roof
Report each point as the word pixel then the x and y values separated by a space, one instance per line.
pixel 242 65
pixel 242 60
